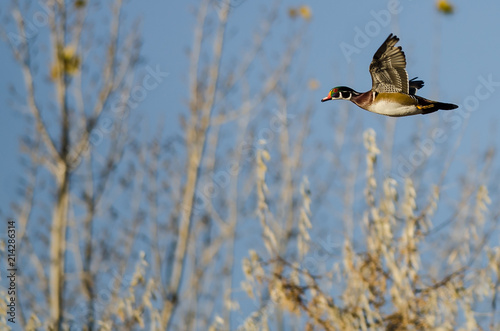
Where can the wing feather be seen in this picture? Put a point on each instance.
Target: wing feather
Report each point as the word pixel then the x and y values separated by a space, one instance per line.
pixel 388 68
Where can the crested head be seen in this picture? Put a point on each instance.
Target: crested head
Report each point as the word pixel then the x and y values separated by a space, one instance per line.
pixel 340 92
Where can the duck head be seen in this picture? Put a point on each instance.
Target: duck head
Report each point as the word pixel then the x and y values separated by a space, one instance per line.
pixel 340 93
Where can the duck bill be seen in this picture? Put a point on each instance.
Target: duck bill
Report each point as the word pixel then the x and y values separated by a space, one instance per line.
pixel 326 98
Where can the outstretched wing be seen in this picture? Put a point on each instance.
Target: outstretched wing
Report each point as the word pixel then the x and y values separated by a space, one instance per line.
pixel 388 68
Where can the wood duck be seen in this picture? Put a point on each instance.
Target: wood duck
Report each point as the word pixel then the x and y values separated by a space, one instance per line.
pixel 391 94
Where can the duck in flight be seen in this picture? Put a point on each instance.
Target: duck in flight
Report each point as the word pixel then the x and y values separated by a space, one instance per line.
pixel 391 94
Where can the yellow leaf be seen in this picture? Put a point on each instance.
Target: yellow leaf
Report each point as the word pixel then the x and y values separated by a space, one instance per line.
pixel 305 12
pixel 54 71
pixel 445 6
pixel 313 84
pixel 80 4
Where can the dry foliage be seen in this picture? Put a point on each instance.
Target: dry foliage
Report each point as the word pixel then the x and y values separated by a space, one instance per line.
pixel 116 232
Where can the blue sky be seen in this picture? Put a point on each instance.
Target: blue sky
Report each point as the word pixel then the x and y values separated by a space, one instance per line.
pixel 467 42
pixel 468 48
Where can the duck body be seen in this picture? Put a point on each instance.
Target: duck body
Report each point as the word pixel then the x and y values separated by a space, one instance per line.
pixel 397 104
pixel 389 104
pixel 392 94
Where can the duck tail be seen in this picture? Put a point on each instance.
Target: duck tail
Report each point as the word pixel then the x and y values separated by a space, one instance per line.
pixel 428 106
pixel 446 106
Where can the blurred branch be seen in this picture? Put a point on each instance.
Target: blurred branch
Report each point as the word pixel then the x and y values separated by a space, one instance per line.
pixel 195 138
pixel 22 55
